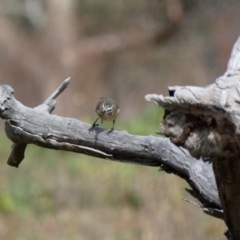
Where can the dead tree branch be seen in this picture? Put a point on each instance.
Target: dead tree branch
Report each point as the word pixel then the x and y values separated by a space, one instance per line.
pixel 205 121
pixel 18 149
pixel 36 126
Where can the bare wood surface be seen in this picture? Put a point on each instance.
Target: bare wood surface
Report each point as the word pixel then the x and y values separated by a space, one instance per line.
pixel 206 121
pixel 18 149
pixel 36 126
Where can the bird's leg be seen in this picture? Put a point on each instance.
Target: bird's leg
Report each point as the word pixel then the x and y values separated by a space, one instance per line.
pixel 113 125
pixel 94 124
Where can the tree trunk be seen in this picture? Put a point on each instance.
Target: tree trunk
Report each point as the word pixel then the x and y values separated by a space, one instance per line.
pixel 206 122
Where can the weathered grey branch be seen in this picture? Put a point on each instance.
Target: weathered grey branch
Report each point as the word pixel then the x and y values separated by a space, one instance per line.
pixel 203 120
pixel 25 125
pixel 206 121
pixel 18 149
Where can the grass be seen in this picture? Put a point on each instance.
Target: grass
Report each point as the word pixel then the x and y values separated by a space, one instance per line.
pixel 62 195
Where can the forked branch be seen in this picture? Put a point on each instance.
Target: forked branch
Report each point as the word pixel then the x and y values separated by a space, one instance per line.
pixel 36 126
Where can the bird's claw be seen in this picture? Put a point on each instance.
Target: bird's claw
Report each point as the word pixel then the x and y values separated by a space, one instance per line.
pixel 111 130
pixel 92 127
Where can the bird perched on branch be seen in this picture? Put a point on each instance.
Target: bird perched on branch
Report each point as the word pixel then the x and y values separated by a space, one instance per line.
pixel 107 110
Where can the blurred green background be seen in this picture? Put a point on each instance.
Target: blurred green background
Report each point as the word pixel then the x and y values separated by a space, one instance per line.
pixel 118 49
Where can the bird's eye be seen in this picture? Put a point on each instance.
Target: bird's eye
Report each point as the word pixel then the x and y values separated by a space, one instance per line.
pixel 108 104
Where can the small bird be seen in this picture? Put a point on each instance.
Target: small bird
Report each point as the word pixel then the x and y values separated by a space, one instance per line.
pixel 107 110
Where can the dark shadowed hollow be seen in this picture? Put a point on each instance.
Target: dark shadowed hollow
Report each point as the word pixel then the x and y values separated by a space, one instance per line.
pixel 122 50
